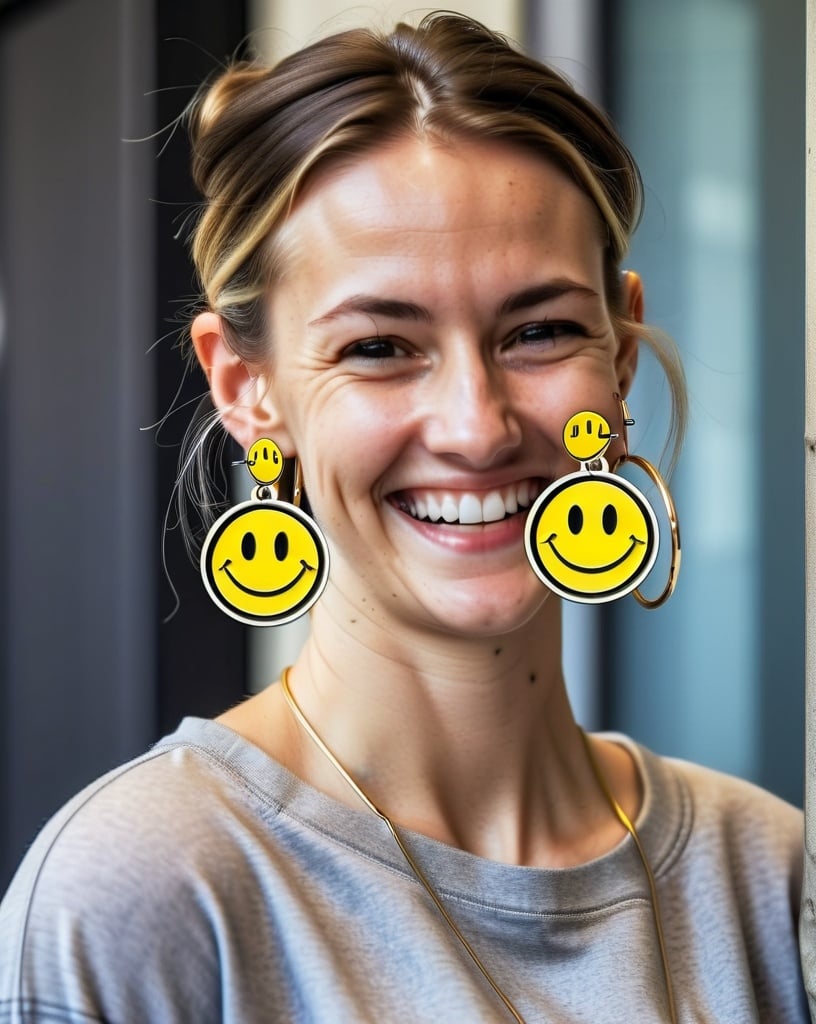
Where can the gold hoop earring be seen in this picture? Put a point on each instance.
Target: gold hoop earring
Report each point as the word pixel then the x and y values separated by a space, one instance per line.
pixel 656 477
pixel 674 526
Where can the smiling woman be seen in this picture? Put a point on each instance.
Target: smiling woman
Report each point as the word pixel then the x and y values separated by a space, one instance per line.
pixel 410 255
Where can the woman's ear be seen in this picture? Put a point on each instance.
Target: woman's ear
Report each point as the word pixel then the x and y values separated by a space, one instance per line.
pixel 632 307
pixel 242 397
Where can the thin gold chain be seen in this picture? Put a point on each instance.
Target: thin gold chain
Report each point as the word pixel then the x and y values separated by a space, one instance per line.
pixel 627 823
pixel 318 741
pixel 618 810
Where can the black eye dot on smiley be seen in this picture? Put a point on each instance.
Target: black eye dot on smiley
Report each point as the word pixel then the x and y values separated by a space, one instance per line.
pixel 248 545
pixel 281 546
pixel 609 519
pixel 575 519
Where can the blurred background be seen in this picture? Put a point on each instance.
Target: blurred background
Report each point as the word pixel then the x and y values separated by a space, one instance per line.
pixel 95 289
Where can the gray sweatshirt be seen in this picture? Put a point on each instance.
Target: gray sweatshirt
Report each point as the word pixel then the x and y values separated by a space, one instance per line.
pixel 204 883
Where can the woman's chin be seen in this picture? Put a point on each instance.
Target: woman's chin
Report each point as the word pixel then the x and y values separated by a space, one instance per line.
pixel 486 607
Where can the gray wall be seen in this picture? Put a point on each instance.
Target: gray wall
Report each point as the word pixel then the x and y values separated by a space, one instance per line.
pixel 78 667
pixel 710 94
pixel 95 285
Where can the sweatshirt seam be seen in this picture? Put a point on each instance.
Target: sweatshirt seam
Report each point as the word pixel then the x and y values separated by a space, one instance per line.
pixel 682 832
pixel 455 896
pixel 45 1010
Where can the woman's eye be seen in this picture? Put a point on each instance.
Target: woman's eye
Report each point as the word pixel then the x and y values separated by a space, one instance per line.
pixel 545 334
pixel 374 348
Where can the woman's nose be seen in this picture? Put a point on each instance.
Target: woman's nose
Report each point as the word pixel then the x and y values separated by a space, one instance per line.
pixel 471 415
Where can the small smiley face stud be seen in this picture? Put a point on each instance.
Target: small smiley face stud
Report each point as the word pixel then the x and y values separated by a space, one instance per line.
pixel 586 436
pixel 265 462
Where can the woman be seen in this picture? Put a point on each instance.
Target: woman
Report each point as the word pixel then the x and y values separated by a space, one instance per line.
pixel 411 259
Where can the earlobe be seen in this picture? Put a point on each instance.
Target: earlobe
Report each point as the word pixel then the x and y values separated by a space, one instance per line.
pixel 241 396
pixel 632 308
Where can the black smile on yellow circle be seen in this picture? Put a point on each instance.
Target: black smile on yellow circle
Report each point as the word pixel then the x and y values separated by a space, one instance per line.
pixel 305 567
pixel 592 569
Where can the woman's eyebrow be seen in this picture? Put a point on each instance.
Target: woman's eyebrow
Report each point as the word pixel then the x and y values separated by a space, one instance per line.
pixel 372 305
pixel 546 291
pixel 398 309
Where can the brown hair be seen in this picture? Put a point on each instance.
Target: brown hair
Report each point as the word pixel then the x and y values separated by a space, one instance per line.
pixel 258 132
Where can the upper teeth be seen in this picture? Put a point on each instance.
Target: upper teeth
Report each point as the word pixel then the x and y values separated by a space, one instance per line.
pixel 467 508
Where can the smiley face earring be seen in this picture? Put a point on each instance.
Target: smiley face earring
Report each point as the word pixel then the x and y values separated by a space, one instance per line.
pixel 265 562
pixel 592 536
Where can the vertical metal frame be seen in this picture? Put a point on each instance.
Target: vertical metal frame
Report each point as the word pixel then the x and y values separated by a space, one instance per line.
pixel 808 918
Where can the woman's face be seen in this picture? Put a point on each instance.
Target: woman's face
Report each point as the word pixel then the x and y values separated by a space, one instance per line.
pixel 440 318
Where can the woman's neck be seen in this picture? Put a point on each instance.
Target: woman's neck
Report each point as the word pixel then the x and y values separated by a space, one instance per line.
pixel 470 742
pixel 447 697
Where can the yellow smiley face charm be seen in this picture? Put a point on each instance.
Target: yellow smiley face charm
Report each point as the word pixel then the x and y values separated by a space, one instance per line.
pixel 264 562
pixel 591 536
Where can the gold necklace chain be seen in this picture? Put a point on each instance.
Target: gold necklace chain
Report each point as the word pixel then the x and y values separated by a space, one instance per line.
pixel 617 809
pixel 628 824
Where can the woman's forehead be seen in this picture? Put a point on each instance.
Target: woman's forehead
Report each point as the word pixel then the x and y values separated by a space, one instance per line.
pixel 411 165
pixel 417 196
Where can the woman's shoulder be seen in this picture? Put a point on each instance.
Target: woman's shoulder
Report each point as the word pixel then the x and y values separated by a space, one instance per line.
pixel 729 865
pixel 715 794
pixel 169 806
pixel 711 819
pixel 131 871
pixel 737 805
